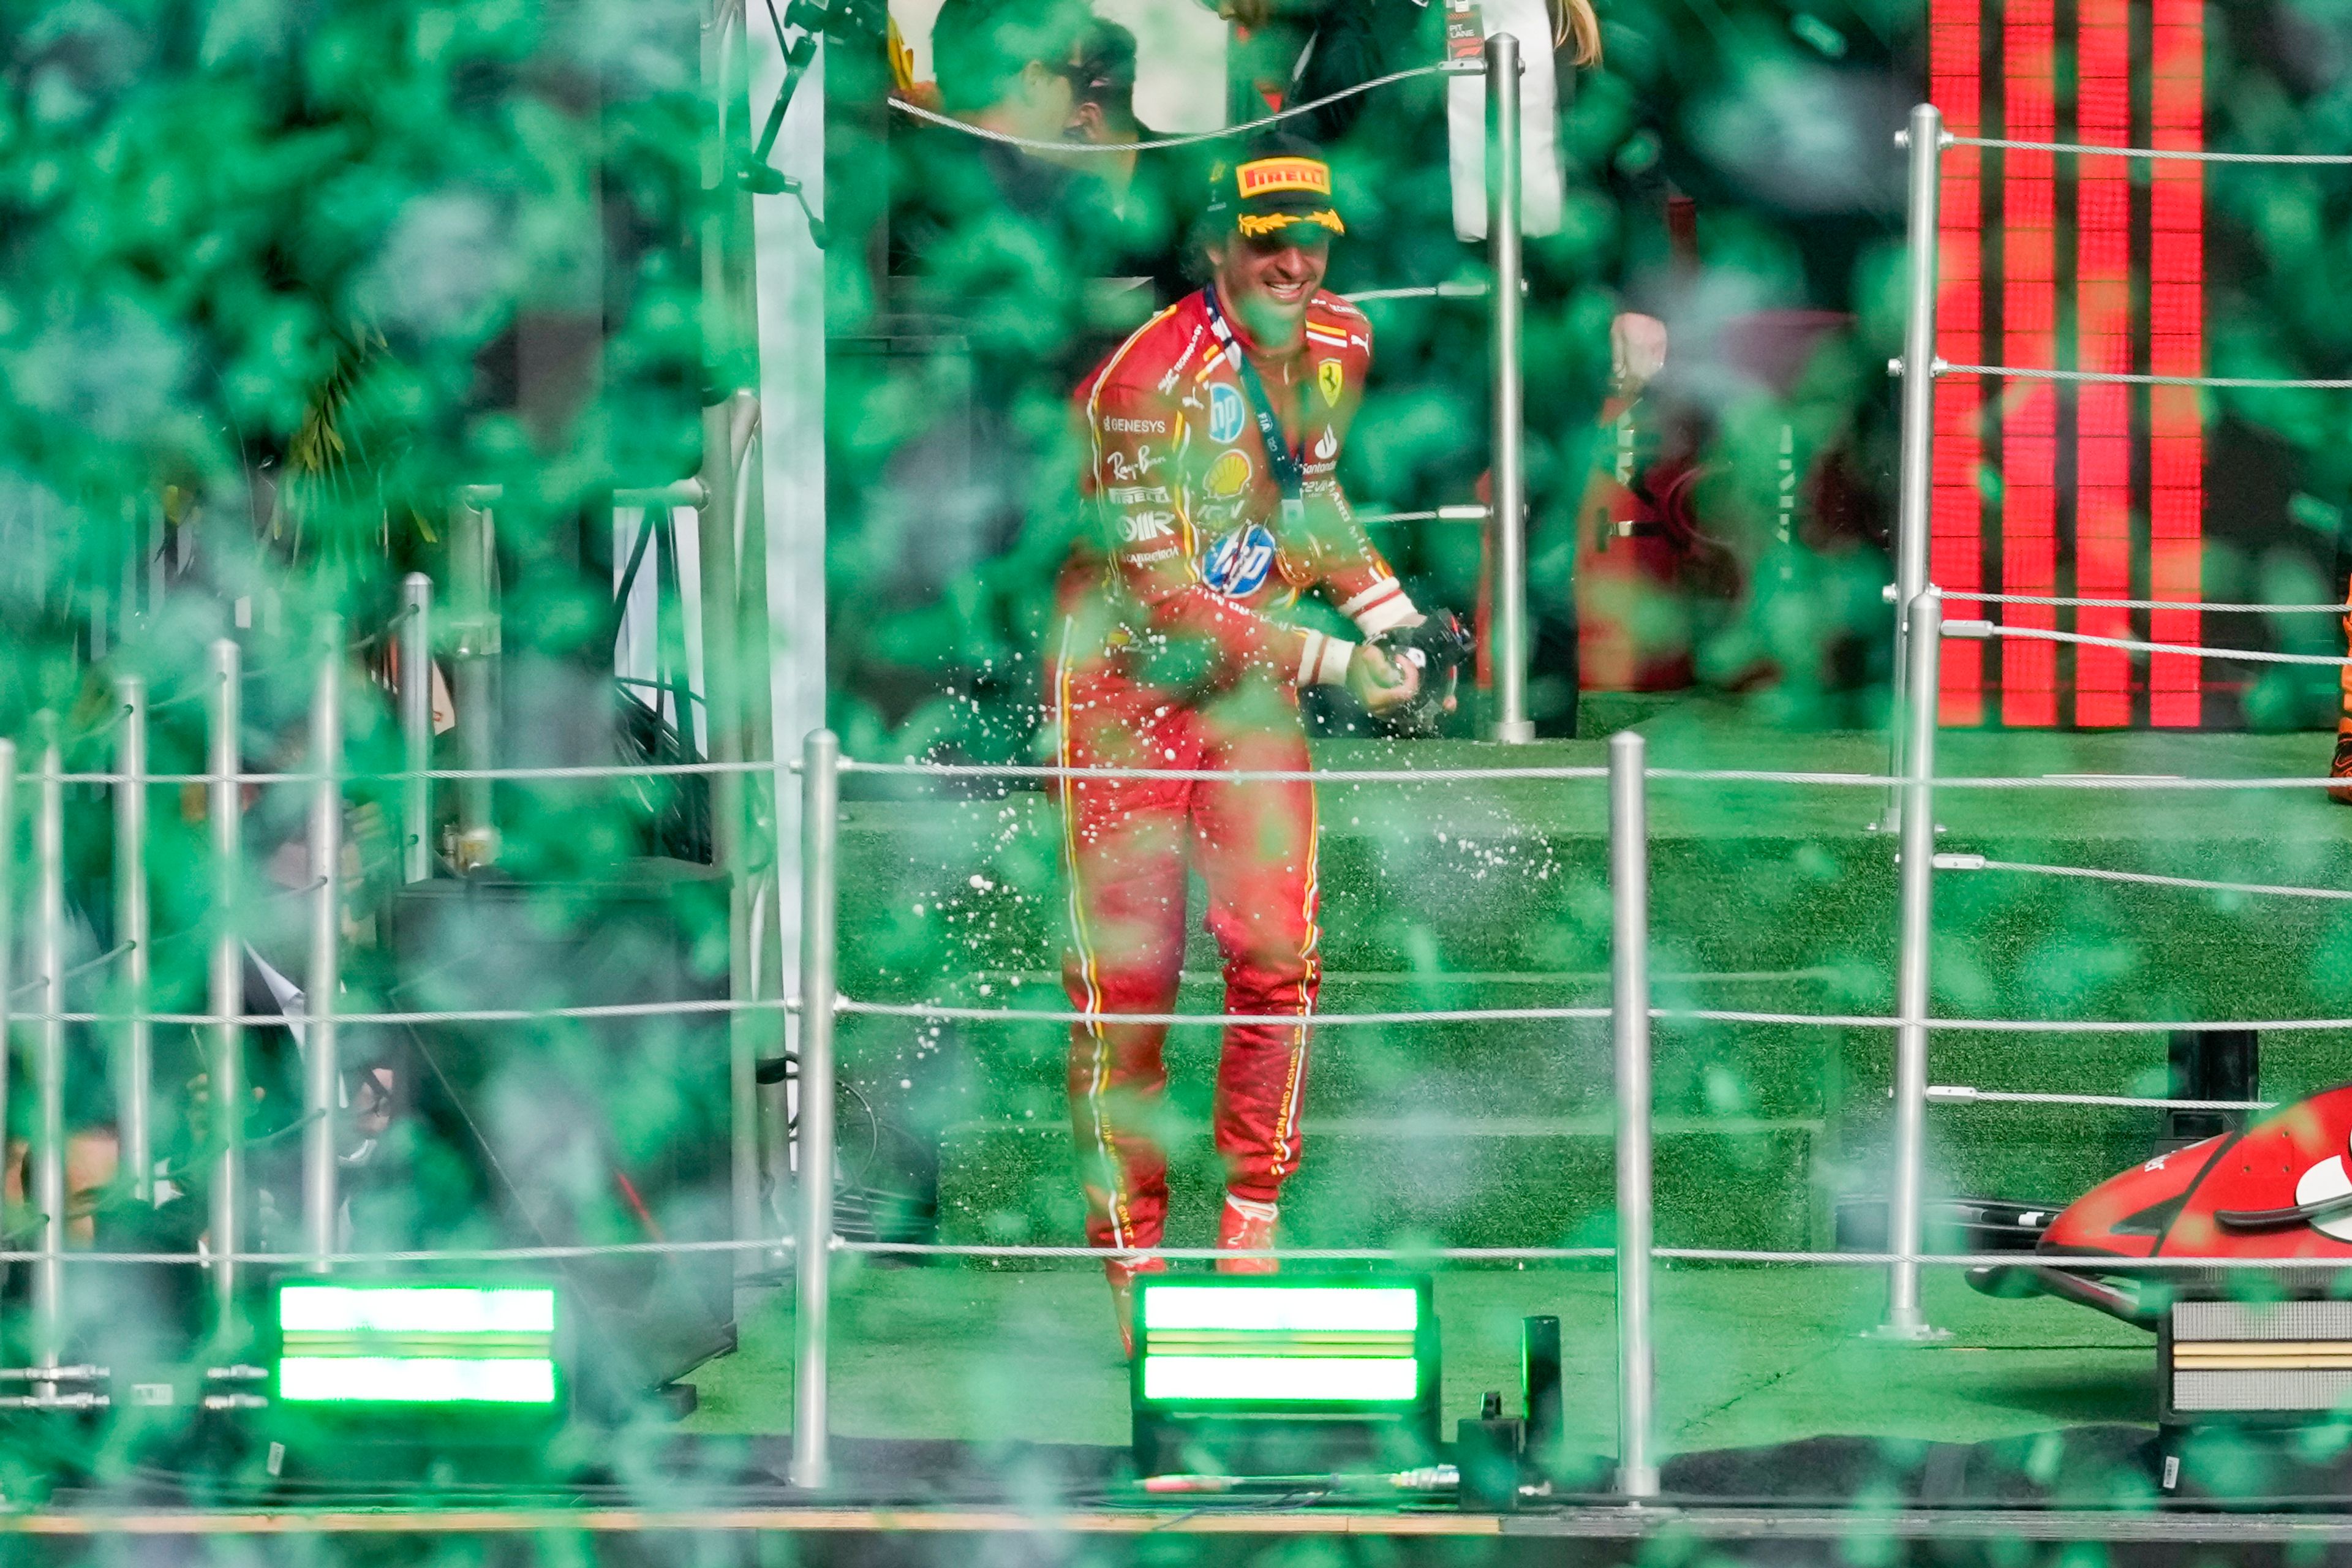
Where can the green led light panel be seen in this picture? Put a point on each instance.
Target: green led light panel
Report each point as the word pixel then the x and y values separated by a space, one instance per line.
pixel 415 1380
pixel 417 1344
pixel 1332 1380
pixel 416 1309
pixel 1288 1309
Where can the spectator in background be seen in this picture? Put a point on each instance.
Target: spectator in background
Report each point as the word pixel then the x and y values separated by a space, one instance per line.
pixel 1153 194
pixel 996 249
pixel 1005 66
pixel 1102 112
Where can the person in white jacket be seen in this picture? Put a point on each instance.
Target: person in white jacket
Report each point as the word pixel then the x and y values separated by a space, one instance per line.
pixel 1354 41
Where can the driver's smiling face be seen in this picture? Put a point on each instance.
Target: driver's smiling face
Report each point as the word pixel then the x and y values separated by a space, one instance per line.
pixel 1269 279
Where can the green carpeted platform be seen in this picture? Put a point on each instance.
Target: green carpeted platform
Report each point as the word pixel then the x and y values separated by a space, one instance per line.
pixel 1765 897
pixel 1746 1357
pixel 1468 893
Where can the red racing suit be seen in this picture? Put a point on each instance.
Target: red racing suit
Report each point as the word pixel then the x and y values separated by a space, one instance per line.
pixel 1173 654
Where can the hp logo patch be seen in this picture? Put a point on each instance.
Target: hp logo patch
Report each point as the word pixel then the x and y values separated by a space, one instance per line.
pixel 1226 416
pixel 1236 564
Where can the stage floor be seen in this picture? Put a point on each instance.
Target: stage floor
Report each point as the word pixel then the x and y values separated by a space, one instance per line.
pixel 1766 896
pixel 1746 1358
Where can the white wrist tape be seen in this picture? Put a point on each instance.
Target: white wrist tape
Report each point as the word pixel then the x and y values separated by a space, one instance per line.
pixel 1380 608
pixel 1326 660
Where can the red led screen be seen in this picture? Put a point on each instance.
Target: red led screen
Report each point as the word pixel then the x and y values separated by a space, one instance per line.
pixel 2075 262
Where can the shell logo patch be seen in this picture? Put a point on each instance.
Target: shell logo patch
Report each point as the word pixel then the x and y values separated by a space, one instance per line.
pixel 1228 476
pixel 1331 377
pixel 1237 564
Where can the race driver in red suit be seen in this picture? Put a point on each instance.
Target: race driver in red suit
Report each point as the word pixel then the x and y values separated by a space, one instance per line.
pixel 1175 654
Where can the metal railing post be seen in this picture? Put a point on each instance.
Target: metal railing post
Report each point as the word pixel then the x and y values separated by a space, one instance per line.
pixel 473 594
pixel 7 919
pixel 1917 872
pixel 1916 491
pixel 812 1242
pixel 133 931
pixel 225 992
pixel 715 520
pixel 417 726
pixel 1629 974
pixel 1506 599
pixel 47 1162
pixel 321 1068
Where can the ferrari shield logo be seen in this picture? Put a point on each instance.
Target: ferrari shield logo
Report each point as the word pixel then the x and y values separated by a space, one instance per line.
pixel 1332 377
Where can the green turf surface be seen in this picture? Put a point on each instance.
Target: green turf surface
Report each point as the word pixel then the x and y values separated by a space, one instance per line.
pixel 1746 1357
pixel 1765 897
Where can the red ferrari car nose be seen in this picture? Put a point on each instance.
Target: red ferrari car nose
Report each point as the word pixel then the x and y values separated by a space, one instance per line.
pixel 2130 1215
pixel 2281 1189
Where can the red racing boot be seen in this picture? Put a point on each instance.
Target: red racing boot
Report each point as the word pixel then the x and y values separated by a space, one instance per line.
pixel 1245 1226
pixel 1122 1272
pixel 2341 768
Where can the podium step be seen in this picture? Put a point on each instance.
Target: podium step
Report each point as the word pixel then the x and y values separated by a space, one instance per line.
pixel 1433 1180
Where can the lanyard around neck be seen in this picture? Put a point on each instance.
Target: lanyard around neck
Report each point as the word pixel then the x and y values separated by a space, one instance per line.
pixel 1279 456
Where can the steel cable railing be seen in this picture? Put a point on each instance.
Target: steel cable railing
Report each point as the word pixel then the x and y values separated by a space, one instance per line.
pixel 1959 862
pixel 1965 1094
pixel 2136 378
pixel 2187 154
pixel 1630 1007
pixel 1224 132
pixel 1592 1013
pixel 2202 606
pixel 1981 631
pixel 1920 628
pixel 1395 777
pixel 1796 776
pixel 1920 366
pixel 683 1007
pixel 1911 1021
pixel 1214 776
pixel 820 781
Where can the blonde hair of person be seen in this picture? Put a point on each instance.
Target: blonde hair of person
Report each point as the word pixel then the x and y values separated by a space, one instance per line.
pixel 1574 24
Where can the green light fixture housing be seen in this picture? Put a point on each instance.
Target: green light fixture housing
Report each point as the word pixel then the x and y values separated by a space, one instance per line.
pixel 1275 1374
pixel 413 1347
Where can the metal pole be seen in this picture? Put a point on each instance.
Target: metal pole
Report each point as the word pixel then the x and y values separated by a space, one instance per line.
pixel 416 725
pixel 1506 611
pixel 473 573
pixel 48 1150
pixel 722 650
pixel 8 916
pixel 1629 973
pixel 1918 476
pixel 226 991
pixel 321 1069
pixel 760 957
pixel 813 1248
pixel 1904 1319
pixel 133 931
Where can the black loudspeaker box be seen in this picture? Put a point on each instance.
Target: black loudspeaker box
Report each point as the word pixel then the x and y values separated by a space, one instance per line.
pixel 564 1131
